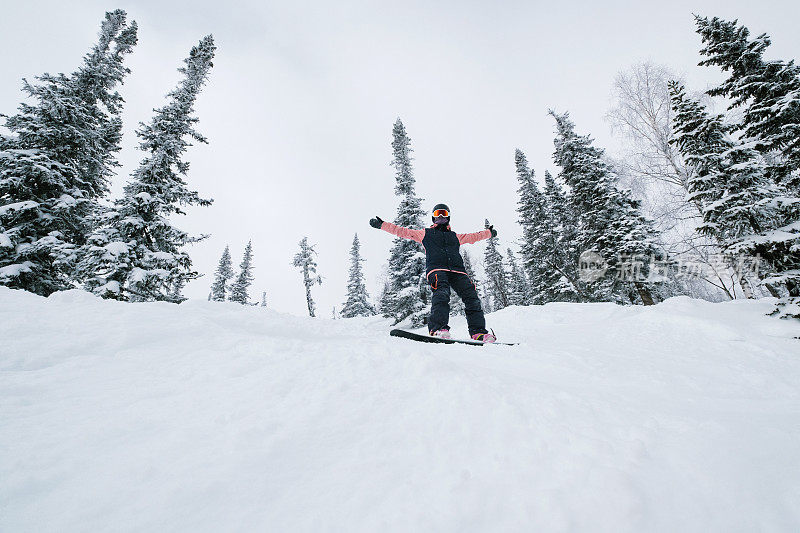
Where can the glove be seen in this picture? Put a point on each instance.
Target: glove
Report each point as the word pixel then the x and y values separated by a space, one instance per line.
pixel 490 227
pixel 376 222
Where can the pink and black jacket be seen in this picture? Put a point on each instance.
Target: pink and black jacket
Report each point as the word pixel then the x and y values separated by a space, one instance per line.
pixel 441 245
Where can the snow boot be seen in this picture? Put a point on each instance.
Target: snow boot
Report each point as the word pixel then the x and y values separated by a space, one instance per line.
pixel 484 337
pixel 443 333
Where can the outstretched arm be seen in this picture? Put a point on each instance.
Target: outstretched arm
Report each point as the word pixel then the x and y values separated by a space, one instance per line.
pixel 399 231
pixel 472 238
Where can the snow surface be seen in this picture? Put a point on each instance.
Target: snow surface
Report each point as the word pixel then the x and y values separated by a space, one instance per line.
pixel 219 417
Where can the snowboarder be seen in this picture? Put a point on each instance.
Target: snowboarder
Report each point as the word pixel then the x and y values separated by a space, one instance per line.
pixel 444 268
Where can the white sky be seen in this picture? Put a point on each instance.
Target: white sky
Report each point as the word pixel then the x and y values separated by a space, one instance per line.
pixel 301 101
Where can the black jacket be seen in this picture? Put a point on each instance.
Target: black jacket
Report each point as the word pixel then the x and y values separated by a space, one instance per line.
pixel 442 250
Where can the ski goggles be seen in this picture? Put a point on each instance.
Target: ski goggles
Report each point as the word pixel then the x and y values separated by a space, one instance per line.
pixel 441 213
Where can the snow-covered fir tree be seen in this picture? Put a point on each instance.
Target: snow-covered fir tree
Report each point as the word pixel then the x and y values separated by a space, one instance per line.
pixel 485 296
pixel 407 294
pixel 176 293
pixel 531 219
pixel 222 276
pixel 559 248
pixel 545 246
pixel 57 161
pixel 610 225
pixel 136 253
pixel 304 260
pixel 496 275
pixel 357 303
pixel 518 289
pixel 263 298
pixel 743 208
pixel 241 285
pixel 768 91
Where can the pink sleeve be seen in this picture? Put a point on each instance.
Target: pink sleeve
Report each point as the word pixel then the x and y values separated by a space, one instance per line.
pixel 472 238
pixel 403 233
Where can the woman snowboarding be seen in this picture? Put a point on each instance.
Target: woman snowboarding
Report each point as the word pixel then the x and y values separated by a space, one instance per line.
pixel 444 269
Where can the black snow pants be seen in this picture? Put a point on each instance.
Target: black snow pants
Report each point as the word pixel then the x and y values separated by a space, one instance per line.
pixel 441 281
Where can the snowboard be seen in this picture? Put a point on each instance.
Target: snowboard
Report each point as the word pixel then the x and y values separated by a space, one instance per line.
pixel 419 337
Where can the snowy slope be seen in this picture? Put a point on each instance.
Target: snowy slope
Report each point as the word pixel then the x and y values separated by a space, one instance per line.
pixel 216 417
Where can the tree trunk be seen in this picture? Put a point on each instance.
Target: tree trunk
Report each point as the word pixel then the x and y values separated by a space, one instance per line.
pixel 644 293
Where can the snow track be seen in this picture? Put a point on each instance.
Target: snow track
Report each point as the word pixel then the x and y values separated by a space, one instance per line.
pixel 217 417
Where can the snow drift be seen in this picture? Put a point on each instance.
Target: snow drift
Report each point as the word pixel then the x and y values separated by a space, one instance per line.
pixel 217 417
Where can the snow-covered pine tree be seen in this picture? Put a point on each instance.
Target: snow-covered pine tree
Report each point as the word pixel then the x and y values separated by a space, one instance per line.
pixel 496 274
pixel 559 246
pixel 486 299
pixel 223 275
pixel 518 289
pixel 743 208
pixel 264 299
pixel 545 246
pixel 176 293
pixel 407 294
pixel 610 224
pixel 57 162
pixel 357 303
pixel 768 91
pixel 240 286
pixel 136 253
pixel 304 260
pixel 531 218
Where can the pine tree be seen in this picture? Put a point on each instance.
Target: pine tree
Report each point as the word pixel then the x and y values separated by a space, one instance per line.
pixel 531 218
pixel 610 225
pixel 243 281
pixel 264 299
pixel 546 242
pixel 558 247
pixel 496 275
pixel 406 297
pixel 304 260
pixel 57 162
pixel 136 253
pixel 742 207
pixel 176 294
pixel 518 289
pixel 222 276
pixel 767 90
pixel 357 303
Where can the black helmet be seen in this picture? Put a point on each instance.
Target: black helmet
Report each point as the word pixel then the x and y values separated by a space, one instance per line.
pixel 440 207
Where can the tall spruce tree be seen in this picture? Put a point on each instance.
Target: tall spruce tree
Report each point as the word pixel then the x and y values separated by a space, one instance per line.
pixel 743 208
pixel 239 288
pixel 546 244
pixel 518 289
pixel 357 303
pixel 559 249
pixel 496 275
pixel 222 276
pixel 407 294
pixel 768 91
pixel 136 253
pixel 304 260
pixel 57 162
pixel 610 225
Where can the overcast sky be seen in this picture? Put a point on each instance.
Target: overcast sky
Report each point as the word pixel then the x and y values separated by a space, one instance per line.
pixel 301 101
